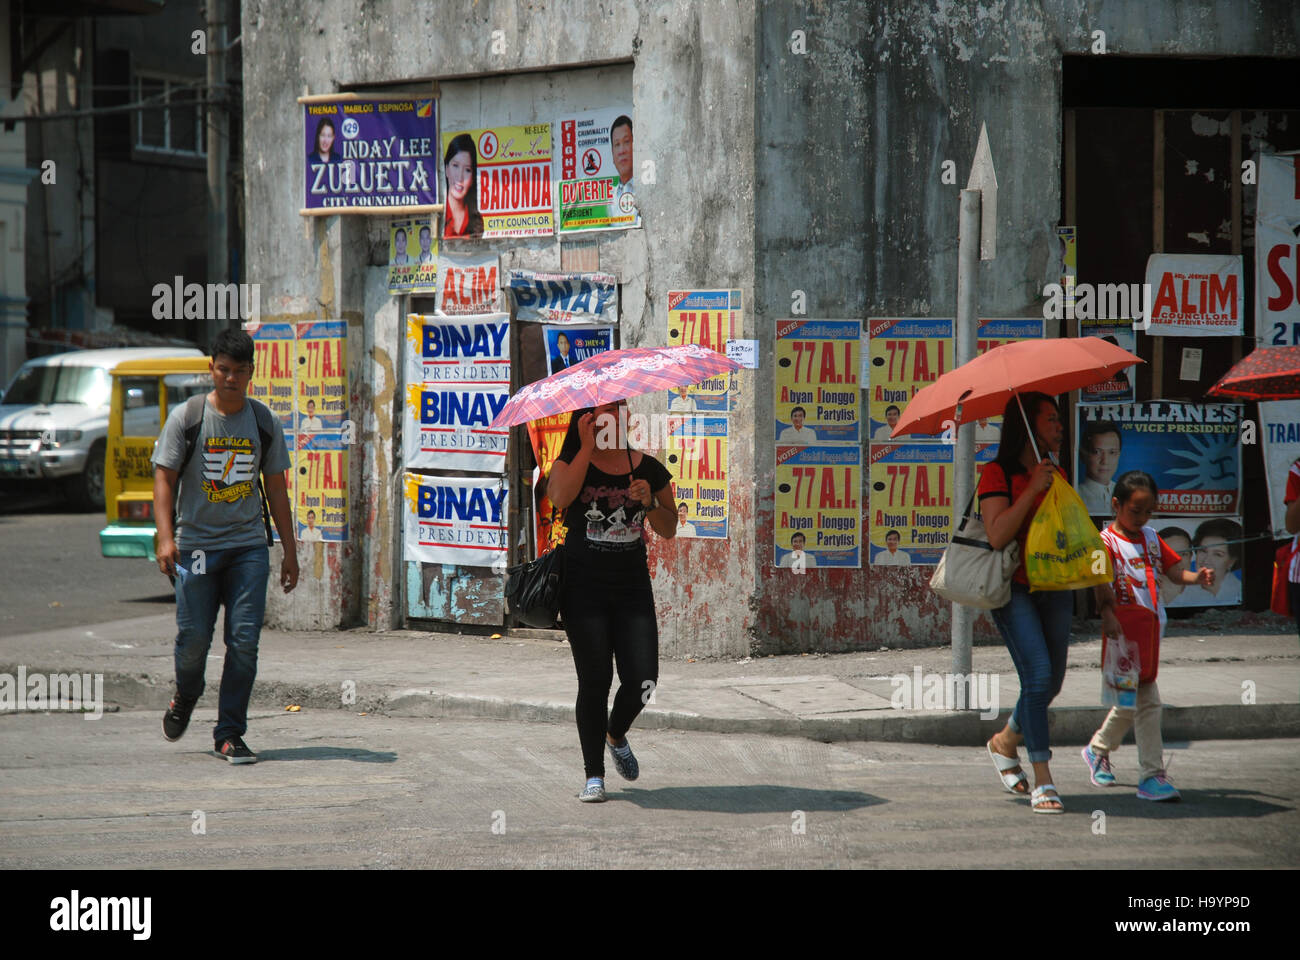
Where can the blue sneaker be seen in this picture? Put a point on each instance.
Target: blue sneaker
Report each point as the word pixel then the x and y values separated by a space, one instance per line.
pixel 1098 768
pixel 1157 788
pixel 624 762
pixel 594 791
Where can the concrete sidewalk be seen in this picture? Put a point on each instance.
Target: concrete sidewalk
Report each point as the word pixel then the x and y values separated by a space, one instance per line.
pixel 1204 679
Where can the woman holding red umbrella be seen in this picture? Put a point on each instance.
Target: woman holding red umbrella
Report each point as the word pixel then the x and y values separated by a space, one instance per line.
pixel 1035 626
pixel 608 492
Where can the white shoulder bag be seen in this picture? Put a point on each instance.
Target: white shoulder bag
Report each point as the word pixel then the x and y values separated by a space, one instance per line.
pixel 971 572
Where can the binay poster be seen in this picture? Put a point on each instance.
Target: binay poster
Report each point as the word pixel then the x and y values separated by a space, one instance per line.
pixel 816 382
pixel 595 172
pixel 563 297
pixel 498 183
pixel 365 155
pixel 818 519
pixel 458 520
pixel 1193 451
pixel 1195 295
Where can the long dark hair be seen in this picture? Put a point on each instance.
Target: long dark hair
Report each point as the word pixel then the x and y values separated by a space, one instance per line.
pixel 464 143
pixel 321 125
pixel 1014 435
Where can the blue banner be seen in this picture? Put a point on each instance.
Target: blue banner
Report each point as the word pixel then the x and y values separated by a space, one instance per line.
pixel 367 154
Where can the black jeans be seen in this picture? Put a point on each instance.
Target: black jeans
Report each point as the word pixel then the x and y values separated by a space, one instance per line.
pixel 603 624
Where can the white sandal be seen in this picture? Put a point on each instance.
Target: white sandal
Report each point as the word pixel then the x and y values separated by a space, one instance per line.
pixel 1039 800
pixel 1009 780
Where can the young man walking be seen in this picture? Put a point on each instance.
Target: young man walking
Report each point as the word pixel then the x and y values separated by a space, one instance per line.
pixel 218 551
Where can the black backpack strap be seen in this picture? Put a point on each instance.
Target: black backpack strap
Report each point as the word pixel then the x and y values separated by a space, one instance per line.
pixel 191 423
pixel 266 427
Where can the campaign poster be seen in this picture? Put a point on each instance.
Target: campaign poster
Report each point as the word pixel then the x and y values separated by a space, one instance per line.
pixel 910 506
pixel 322 383
pixel 1279 424
pixel 1214 542
pixel 989 335
pixel 568 345
pixel 468 284
pixel 816 382
pixel 413 255
pixel 369 154
pixel 907 355
pixel 547 438
pixel 696 458
pixel 595 172
pixel 447 427
pixel 1067 239
pixel 460 520
pixel 320 490
pixel 1119 388
pixel 563 297
pixel 273 369
pixel 818 517
pixel 498 183
pixel 469 351
pixel 1195 295
pixel 1277 251
pixel 1193 451
pixel 709 318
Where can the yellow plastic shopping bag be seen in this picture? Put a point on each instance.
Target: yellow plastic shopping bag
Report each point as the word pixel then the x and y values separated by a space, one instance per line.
pixel 1064 550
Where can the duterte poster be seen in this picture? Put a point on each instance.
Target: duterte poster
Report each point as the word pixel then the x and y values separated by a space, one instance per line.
pixel 1193 452
pixel 595 172
pixel 365 155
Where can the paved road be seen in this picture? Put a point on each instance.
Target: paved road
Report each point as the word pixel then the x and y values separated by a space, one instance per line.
pixel 340 790
pixel 53 575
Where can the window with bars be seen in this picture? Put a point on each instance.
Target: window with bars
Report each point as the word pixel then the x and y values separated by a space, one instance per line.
pixel 172 120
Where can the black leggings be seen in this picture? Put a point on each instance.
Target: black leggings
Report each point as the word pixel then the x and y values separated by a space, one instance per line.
pixel 604 623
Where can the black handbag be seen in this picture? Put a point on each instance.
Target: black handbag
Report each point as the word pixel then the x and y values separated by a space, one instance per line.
pixel 533 589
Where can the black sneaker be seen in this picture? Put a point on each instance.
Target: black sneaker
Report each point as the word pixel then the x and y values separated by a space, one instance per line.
pixel 177 717
pixel 235 750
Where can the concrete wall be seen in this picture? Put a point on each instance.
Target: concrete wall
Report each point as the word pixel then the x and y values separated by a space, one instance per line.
pixel 692 90
pixel 851 138
pixel 775 172
pixel 14 178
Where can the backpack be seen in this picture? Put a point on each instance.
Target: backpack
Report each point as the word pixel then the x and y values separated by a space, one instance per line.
pixel 192 422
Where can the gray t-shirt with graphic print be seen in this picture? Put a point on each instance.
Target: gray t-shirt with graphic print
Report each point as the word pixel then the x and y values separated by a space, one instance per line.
pixel 218 503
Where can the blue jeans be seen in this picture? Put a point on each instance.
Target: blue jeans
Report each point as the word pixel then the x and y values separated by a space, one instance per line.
pixel 236 578
pixel 1036 628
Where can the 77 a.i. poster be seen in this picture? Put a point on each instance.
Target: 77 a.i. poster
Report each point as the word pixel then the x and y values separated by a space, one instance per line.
pixel 906 355
pixel 320 490
pixel 910 503
pixel 818 516
pixel 696 458
pixel 709 318
pixel 273 369
pixel 817 364
pixel 498 182
pixel 322 375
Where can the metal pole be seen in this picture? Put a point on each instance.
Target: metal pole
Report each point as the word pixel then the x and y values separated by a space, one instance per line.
pixel 968 253
pixel 218 145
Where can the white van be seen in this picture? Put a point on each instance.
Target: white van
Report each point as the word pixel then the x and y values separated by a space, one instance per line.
pixel 54 420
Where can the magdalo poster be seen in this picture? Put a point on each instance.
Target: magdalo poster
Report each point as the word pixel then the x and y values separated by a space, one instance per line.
pixel 364 155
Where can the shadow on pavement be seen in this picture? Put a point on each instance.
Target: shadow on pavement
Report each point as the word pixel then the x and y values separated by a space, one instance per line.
pixel 758 798
pixel 1121 801
pixel 329 753
pixel 161 598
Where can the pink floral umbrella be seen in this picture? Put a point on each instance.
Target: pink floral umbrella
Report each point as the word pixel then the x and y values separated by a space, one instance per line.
pixel 613 375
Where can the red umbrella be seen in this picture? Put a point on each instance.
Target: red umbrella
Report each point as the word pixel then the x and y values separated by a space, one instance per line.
pixel 982 387
pixel 613 375
pixel 1267 373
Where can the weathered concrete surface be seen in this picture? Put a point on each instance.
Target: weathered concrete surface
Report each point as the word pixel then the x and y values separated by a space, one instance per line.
pixel 850 208
pixel 1242 686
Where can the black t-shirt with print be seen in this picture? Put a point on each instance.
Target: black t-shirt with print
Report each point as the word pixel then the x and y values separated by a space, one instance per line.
pixel 604 540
